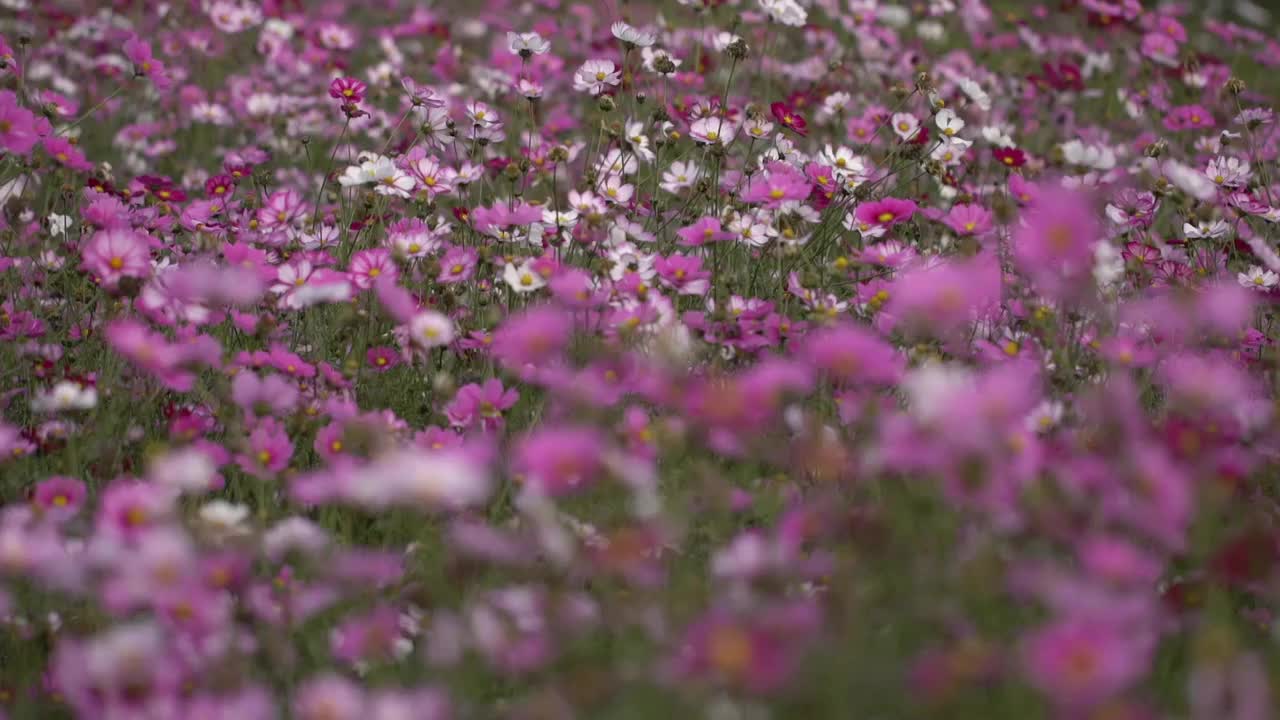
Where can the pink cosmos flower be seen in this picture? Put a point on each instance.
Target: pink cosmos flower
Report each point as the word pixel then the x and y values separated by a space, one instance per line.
pixel 59 497
pixel 347 89
pixel 852 353
pixel 432 177
pixel 17 125
pixel 66 154
pixel 152 352
pixel 779 183
pixel 1189 117
pixel 260 395
pixel 758 652
pixel 683 273
pixel 382 358
pixel 559 460
pixel 268 451
pixel 112 255
pixel 887 212
pixel 145 64
pixel 329 697
pixel 1081 662
pixel 458 265
pixel 282 210
pixel 705 230
pixel 481 405
pixel 533 337
pixel 942 300
pixel 369 265
pixel 128 509
pixel 1055 245
pixel 968 219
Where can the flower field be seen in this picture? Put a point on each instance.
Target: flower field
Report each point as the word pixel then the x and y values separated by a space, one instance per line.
pixel 725 359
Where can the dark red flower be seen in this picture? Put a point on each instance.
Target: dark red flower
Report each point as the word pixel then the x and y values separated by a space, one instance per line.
pixel 219 186
pixel 1011 157
pixel 789 118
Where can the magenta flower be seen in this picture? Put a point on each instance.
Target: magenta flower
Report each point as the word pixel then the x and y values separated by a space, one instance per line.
pixel 1022 190
pixel 534 337
pixel 705 230
pixel 129 509
pixel 66 154
pixel 758 653
pixel 17 125
pixel 285 360
pixel 59 497
pixel 368 637
pixel 559 460
pixel 851 353
pixel 779 183
pixel 887 212
pixel 969 219
pixel 944 299
pixel 348 90
pixel 382 358
pixel 1055 245
pixel 329 697
pixel 113 255
pixel 282 209
pixel 1189 117
pixel 1080 662
pixel 263 395
pixel 458 264
pixel 683 273
pixel 481 405
pixel 1160 48
pixel 268 450
pixel 152 352
pixel 145 64
pixel 329 443
pixel 369 265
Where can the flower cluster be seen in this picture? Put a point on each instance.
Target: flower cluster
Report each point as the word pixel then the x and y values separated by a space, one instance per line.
pixel 707 358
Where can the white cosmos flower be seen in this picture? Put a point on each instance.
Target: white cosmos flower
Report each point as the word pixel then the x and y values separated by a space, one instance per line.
pixel 66 395
pixel 430 329
pixel 361 174
pixel 1258 278
pixel 389 179
pixel 785 12
pixel 1205 229
pixel 529 43
pixel 975 93
pixel 225 518
pixel 713 130
pixel 595 76
pixel 632 35
pixel 523 279
pixel 58 224
pixel 948 122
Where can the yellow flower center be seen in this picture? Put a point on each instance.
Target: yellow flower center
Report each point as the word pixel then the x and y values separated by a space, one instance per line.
pixel 730 650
